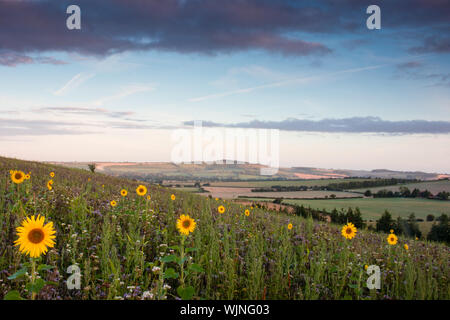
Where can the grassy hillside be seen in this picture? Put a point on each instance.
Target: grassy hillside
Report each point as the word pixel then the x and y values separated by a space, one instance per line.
pixel 134 250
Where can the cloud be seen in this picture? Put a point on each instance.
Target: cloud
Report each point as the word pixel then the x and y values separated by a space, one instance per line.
pixel 435 44
pixel 282 83
pixel 73 83
pixel 21 127
pixel 409 65
pixel 346 125
pixel 13 59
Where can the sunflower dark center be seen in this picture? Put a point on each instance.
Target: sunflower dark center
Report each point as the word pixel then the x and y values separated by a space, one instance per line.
pixel 18 176
pixel 349 230
pixel 141 190
pixel 186 224
pixel 36 236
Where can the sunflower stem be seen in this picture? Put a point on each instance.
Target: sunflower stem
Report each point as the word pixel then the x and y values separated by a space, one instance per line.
pixel 33 277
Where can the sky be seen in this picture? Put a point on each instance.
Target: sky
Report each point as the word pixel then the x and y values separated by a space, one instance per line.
pixel 340 94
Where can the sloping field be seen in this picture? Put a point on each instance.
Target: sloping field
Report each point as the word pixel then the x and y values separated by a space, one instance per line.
pixel 134 250
pixel 433 186
pixel 374 208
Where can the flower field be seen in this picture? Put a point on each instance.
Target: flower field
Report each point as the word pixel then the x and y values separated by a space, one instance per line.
pixel 135 241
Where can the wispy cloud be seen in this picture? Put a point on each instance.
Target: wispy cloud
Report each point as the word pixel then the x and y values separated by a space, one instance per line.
pixel 290 81
pixel 73 83
pixel 125 92
pixel 346 125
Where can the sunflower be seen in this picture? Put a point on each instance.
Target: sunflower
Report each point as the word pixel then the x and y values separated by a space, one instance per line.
pixel 17 177
pixel 406 247
pixel 49 185
pixel 392 239
pixel 27 176
pixel 366 267
pixel 113 203
pixel 247 212
pixel 141 190
pixel 392 230
pixel 221 209
pixel 124 192
pixel 34 237
pixel 290 226
pixel 349 231
pixel 149 197
pixel 186 224
pixel 217 199
pixel 52 174
pixel 172 197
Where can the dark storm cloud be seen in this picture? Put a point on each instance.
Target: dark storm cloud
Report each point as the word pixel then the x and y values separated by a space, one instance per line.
pixel 202 26
pixel 349 125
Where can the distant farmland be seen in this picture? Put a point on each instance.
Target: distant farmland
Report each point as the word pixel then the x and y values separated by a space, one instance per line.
pixel 374 208
pixel 433 186
pixel 285 183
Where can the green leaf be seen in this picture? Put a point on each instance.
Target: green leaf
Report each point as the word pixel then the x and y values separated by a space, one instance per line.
pixel 190 250
pixel 13 295
pixel 18 274
pixel 44 267
pixel 170 274
pixel 196 268
pixel 175 247
pixel 353 286
pixel 186 293
pixel 167 259
pixel 36 286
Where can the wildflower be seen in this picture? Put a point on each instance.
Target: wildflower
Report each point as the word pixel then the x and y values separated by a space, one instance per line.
pixel 141 190
pixel 247 212
pixel 172 197
pixel 52 174
pixel 50 184
pixel 27 176
pixel 290 226
pixel 221 209
pixel 366 267
pixel 185 224
pixel 406 247
pixel 149 198
pixel 392 239
pixel 34 237
pixel 17 177
pixel 124 193
pixel 392 231
pixel 349 231
pixel 113 203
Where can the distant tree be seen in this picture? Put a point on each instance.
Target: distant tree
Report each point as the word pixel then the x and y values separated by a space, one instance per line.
pixel 440 231
pixel 92 167
pixel 357 219
pixel 368 193
pixel 278 200
pixel 413 228
pixel 385 223
pixel 332 196
pixel 430 217
pixel 405 192
pixel 443 195
pixel 415 193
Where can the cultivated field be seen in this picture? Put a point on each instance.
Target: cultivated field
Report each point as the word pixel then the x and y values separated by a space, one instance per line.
pixel 132 249
pixel 433 186
pixel 374 208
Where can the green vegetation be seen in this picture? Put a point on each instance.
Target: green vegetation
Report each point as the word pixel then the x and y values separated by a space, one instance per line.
pixel 134 250
pixel 374 208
